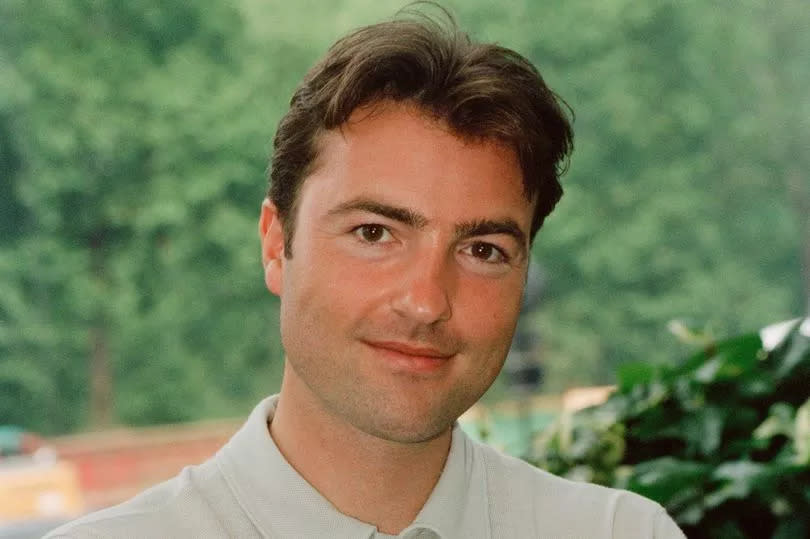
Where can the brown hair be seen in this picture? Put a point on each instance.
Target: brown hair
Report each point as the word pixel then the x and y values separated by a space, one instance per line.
pixel 480 91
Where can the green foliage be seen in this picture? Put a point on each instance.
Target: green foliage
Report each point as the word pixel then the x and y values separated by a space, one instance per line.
pixel 676 205
pixel 133 205
pixel 721 440
pixel 133 149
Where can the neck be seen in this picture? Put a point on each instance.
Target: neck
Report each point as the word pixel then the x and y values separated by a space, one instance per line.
pixel 378 481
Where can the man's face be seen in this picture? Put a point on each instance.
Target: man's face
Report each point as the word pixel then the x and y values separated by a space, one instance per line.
pixel 408 262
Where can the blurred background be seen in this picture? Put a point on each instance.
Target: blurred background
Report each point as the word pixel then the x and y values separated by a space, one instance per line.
pixel 134 139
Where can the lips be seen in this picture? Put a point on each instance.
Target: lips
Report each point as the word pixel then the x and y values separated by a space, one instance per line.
pixel 411 350
pixel 411 357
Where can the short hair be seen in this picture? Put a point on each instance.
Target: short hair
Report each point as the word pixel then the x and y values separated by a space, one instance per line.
pixel 480 91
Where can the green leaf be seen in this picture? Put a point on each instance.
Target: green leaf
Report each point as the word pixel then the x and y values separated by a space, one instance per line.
pixel 793 351
pixel 801 434
pixel 737 355
pixel 663 478
pixel 779 421
pixel 635 373
pixel 723 359
pixel 708 371
pixel 739 479
pixel 704 429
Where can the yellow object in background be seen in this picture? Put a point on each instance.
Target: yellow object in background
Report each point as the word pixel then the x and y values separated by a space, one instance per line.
pixel 31 489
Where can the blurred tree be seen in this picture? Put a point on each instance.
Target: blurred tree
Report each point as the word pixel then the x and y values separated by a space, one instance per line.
pixel 133 139
pixel 134 157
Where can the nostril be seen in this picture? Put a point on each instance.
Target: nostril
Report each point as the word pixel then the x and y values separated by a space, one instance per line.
pixel 423 305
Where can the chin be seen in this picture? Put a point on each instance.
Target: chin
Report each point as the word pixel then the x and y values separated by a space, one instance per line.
pixel 405 431
pixel 414 436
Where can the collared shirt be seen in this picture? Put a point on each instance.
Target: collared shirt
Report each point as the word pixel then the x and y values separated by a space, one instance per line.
pixel 250 490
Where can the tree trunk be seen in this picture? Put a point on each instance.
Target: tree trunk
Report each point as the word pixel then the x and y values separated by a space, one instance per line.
pixel 101 378
pixel 101 396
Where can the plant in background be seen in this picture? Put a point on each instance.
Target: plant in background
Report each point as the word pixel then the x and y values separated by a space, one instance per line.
pixel 722 440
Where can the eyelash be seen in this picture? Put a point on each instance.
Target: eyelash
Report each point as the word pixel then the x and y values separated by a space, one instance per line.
pixel 504 256
pixel 358 231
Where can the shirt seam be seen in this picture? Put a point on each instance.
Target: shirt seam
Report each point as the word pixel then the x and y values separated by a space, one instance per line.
pixel 614 502
pixel 485 460
pixel 235 494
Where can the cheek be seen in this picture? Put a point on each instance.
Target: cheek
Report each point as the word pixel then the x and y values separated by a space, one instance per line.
pixel 330 285
pixel 488 336
pixel 490 311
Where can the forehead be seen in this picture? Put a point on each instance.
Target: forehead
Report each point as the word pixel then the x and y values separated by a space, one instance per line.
pixel 402 155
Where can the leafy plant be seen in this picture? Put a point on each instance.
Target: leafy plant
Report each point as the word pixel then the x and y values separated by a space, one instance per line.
pixel 721 440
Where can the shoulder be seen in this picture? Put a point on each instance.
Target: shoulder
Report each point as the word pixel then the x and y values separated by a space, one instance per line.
pixel 509 476
pixel 560 507
pixel 180 506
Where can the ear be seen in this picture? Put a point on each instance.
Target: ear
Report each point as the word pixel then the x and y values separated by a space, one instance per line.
pixel 271 232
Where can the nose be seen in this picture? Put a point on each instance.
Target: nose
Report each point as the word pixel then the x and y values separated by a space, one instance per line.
pixel 423 296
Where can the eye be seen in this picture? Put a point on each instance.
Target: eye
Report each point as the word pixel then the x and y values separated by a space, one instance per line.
pixel 486 252
pixel 372 233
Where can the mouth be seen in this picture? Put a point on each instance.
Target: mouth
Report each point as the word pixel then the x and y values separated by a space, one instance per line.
pixel 410 357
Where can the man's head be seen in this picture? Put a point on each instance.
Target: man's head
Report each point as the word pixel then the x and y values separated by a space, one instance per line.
pixel 479 91
pixel 408 179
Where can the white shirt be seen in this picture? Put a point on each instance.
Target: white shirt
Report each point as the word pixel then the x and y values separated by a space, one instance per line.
pixel 248 489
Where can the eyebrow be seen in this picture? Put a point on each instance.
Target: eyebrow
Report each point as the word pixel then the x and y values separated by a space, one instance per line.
pixel 395 213
pixel 468 229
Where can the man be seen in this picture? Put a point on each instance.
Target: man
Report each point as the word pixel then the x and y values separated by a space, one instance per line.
pixel 409 177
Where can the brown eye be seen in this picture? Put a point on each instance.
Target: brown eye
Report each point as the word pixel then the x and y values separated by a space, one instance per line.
pixel 482 250
pixel 372 233
pixel 486 252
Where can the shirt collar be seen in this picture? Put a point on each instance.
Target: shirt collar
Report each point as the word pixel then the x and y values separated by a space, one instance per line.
pixel 281 502
pixel 458 505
